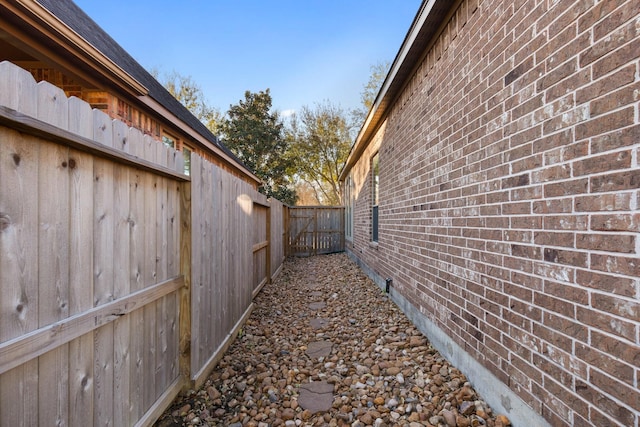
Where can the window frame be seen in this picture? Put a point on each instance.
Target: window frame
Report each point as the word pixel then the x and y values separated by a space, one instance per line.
pixel 375 197
pixel 348 193
pixel 186 155
pixel 169 140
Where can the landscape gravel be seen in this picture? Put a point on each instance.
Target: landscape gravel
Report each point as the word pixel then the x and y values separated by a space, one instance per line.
pixel 369 365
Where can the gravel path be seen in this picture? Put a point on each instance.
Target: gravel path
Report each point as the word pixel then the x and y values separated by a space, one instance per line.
pixel 325 347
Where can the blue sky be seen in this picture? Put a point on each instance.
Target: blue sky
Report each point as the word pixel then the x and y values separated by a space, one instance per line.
pixel 304 51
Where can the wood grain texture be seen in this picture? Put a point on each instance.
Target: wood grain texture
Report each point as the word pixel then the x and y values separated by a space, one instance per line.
pixel 18 89
pixel 173 220
pixel 122 280
pixel 33 126
pixel 103 268
pixel 40 341
pixel 196 261
pixel 150 276
pixel 53 255
pixel 184 324
pixel 121 284
pixel 136 279
pixel 19 158
pixel 81 264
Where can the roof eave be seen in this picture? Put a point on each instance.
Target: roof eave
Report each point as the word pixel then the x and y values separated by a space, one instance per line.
pixel 234 164
pixel 40 19
pixel 425 26
pixel 34 18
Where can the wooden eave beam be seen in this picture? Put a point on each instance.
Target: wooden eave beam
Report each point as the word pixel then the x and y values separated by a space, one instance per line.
pixel 46 37
pixel 42 32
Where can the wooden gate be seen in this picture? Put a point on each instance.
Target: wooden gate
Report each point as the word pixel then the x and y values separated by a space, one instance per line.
pixel 315 230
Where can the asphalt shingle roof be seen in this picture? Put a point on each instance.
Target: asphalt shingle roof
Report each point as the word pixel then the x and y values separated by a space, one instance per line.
pixel 68 12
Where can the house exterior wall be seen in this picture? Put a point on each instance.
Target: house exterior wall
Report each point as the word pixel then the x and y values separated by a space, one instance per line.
pixel 510 203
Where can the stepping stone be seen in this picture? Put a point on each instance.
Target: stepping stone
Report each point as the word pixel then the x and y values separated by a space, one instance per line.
pixel 318 322
pixel 317 305
pixel 316 294
pixel 316 396
pixel 319 349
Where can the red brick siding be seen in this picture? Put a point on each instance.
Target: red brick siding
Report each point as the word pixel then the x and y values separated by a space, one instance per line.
pixel 510 201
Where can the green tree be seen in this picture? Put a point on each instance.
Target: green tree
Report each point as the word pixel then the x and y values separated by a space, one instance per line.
pixel 320 143
pixel 190 94
pixel 255 135
pixel 370 90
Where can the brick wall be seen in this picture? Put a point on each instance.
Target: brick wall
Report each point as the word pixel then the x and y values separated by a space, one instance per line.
pixel 510 201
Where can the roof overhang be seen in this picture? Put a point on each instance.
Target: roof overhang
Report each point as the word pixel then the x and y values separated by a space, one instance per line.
pixel 37 30
pixel 33 28
pixel 426 27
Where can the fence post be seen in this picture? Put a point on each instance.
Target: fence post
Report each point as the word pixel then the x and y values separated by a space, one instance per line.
pixel 314 238
pixel 185 292
pixel 285 226
pixel 268 225
pixel 343 224
pixel 285 230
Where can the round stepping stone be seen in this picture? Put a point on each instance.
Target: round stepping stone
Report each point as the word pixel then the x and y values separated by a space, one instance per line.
pixel 319 349
pixel 316 396
pixel 317 305
pixel 318 322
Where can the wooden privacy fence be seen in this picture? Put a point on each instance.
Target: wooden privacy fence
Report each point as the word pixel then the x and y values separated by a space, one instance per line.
pixel 315 230
pixel 122 280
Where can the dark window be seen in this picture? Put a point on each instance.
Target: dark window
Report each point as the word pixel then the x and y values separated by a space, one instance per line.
pixel 348 197
pixel 186 152
pixel 168 141
pixel 375 185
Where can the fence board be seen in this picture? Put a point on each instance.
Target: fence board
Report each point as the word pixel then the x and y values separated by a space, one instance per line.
pixel 136 279
pixel 81 353
pixel 173 269
pixel 161 271
pixel 104 233
pixel 19 158
pixel 18 89
pixel 149 276
pixel 277 236
pixel 213 315
pixel 195 263
pixel 122 285
pixel 93 217
pixel 53 255
pixel 221 273
pixel 315 230
pixel 186 245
